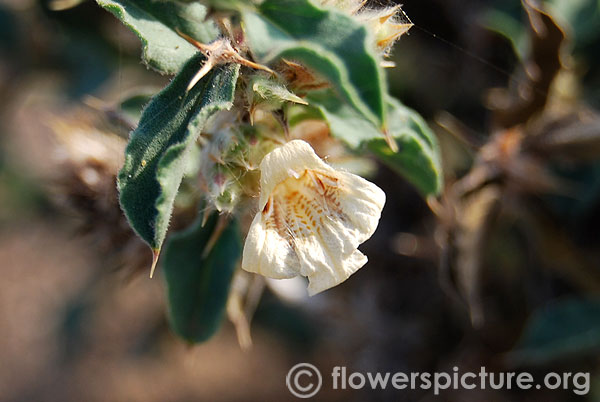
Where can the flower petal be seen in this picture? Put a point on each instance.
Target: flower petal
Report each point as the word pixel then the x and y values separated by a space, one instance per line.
pixel 267 253
pixel 364 201
pixel 291 159
pixel 312 219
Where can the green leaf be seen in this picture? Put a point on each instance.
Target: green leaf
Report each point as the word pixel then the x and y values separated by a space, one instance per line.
pixel 296 114
pixel 564 329
pixel 509 26
pixel 418 156
pixel 579 15
pixel 154 22
pixel 161 146
pixel 417 159
pixel 198 281
pixel 330 42
pixel 228 5
pixel 344 122
pixel 133 104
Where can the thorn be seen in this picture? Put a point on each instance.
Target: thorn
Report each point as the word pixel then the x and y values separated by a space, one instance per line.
pixel 391 12
pixel 245 62
pixel 301 101
pixel 390 140
pixel 155 255
pixel 207 213
pixel 403 22
pixel 208 65
pixel 358 7
pixel 218 52
pixel 218 230
pixel 401 29
pixel 201 46
pixel 251 114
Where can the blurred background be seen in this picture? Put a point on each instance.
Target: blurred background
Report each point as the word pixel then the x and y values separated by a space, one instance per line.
pixel 502 271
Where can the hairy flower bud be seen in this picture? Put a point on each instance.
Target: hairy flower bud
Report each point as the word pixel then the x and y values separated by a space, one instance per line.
pixel 386 24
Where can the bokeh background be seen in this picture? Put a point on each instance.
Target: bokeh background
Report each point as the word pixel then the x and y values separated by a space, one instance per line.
pixel 502 271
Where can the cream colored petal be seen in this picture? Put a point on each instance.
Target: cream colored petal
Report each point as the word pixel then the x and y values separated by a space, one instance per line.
pixel 289 160
pixel 323 263
pixel 321 280
pixel 312 219
pixel 330 256
pixel 363 202
pixel 267 253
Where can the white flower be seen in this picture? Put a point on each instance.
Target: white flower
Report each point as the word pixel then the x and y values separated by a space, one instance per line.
pixel 311 220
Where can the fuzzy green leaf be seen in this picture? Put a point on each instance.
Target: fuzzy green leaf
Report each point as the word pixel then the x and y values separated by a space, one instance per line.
pixel 133 103
pixel 228 5
pixel 418 155
pixel 198 282
pixel 417 159
pixel 345 123
pixel 154 22
pixel 159 148
pixel 333 44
